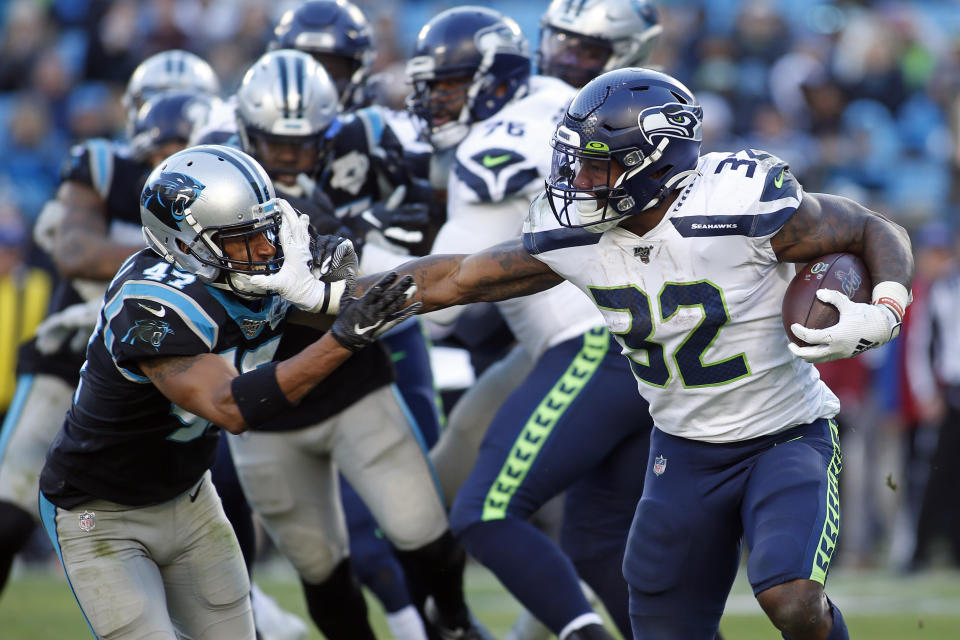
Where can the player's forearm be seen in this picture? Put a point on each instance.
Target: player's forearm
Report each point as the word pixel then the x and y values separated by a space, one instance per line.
pixel 301 373
pixel 83 254
pixel 887 251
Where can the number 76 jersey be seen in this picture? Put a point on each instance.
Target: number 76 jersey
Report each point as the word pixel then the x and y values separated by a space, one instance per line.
pixel 695 302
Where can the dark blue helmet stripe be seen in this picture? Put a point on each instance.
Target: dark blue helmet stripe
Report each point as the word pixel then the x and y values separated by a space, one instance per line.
pixel 284 85
pixel 299 74
pixel 248 171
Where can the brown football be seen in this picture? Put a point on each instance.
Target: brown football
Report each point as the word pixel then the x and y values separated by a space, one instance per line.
pixel 842 272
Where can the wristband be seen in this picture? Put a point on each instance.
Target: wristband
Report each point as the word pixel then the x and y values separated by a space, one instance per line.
pixel 894 295
pixel 330 299
pixel 258 395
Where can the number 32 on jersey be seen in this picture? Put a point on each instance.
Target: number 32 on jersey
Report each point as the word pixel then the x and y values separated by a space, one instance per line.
pixel 647 356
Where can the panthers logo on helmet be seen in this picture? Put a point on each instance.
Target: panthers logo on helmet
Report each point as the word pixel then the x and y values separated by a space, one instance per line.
pixel 672 120
pixel 169 196
pixel 150 331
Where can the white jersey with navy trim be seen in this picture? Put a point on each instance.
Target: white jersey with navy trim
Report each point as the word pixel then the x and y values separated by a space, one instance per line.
pixel 500 166
pixel 695 302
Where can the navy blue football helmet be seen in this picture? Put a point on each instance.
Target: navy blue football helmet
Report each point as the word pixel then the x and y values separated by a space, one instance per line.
pixel 167 117
pixel 337 34
pixel 484 48
pixel 646 122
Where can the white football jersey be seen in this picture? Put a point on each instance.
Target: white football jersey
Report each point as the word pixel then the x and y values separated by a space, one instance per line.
pixel 695 302
pixel 499 168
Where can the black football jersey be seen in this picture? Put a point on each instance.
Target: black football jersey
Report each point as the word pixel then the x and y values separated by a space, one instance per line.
pixel 122 439
pixel 106 167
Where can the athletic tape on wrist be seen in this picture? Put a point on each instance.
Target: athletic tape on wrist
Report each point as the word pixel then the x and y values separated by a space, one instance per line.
pixel 258 395
pixel 892 294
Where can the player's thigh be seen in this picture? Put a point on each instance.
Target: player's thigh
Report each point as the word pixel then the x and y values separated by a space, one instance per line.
pixel 684 544
pixel 410 353
pixel 205 578
pixel 791 508
pixel 574 408
pixel 112 575
pixel 456 451
pixel 378 453
pixel 30 426
pixel 291 482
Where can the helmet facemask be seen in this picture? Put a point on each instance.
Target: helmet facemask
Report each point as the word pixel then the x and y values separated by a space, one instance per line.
pixel 576 59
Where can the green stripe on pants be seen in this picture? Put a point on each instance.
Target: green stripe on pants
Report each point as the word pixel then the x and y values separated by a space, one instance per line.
pixel 528 444
pixel 831 524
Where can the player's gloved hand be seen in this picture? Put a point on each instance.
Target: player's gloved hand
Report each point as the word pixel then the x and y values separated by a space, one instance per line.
pixel 334 259
pixel 294 281
pixel 48 225
pixel 394 225
pixel 74 324
pixel 861 326
pixel 362 320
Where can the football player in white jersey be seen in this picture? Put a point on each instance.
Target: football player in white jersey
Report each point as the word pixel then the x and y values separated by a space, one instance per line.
pixel 474 92
pixel 688 259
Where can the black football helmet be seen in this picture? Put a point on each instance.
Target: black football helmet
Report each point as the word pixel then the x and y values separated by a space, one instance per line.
pixel 485 48
pixel 646 122
pixel 337 34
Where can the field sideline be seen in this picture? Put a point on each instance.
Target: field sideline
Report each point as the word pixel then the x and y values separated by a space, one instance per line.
pixel 877 606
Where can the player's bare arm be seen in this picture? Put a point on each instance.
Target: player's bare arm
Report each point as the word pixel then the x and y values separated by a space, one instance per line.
pixel 83 247
pixel 203 384
pixel 501 272
pixel 827 223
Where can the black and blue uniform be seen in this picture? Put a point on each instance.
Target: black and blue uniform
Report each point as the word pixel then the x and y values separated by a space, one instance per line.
pixel 122 439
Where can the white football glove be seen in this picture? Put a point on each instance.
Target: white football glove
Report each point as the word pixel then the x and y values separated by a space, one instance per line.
pixel 294 281
pixel 74 323
pixel 861 326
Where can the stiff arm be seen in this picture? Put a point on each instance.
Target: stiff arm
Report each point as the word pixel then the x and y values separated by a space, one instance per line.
pixel 500 272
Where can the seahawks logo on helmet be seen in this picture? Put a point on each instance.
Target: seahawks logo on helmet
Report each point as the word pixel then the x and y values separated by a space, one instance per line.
pixel 169 196
pixel 672 120
pixel 150 331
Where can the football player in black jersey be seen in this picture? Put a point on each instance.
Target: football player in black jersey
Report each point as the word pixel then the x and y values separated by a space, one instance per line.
pixel 89 229
pixel 355 421
pixel 184 346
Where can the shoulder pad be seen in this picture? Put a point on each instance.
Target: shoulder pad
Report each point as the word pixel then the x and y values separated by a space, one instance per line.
pixel 495 173
pixel 91 163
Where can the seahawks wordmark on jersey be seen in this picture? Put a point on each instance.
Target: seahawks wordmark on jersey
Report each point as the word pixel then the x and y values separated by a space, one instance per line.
pixel 123 440
pixel 695 302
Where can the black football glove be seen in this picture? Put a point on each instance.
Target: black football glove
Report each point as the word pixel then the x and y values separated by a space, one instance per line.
pixel 333 259
pixel 398 225
pixel 362 320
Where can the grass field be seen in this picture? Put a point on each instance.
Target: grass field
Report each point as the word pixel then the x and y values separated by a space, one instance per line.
pixel 877 606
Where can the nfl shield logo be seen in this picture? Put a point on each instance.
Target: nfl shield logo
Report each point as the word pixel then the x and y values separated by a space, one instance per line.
pixel 659 465
pixel 87 521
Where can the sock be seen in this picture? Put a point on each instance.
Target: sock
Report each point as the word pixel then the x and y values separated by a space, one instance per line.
pixel 14 534
pixel 604 575
pixel 406 624
pixel 531 567
pixel 438 567
pixel 337 606
pixel 839 629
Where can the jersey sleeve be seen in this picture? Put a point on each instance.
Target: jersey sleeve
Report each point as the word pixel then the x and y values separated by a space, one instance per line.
pixel 780 195
pixel 148 320
pixel 90 163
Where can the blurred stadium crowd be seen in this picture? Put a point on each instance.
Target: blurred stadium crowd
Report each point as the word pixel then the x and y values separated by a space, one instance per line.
pixel 862 98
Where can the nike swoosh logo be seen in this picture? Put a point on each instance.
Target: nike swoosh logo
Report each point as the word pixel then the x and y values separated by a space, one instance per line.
pixel 492 161
pixel 357 330
pixel 778 181
pixel 162 311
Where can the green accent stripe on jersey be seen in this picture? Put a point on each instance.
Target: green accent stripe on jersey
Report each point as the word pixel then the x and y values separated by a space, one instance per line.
pixel 831 523
pixel 535 433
